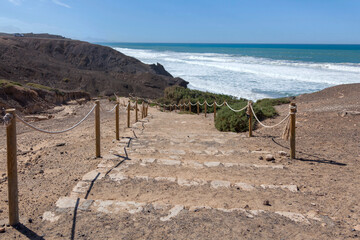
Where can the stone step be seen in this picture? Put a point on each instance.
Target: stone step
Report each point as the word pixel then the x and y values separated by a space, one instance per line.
pixel 218 194
pixel 168 212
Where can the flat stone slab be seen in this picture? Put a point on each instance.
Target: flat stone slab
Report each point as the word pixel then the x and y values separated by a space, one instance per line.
pixel 111 206
pixel 245 186
pixel 291 188
pixel 199 152
pixel 110 157
pixel 173 212
pixel 68 202
pixel 173 152
pixel 145 150
pixel 147 160
pixel 193 164
pixel 81 187
pixel 169 162
pixel 91 176
pixel 170 179
pixel 50 216
pixel 117 176
pixel 212 164
pixel 188 183
pixel 211 151
pixel 219 183
pixel 296 217
pixel 105 164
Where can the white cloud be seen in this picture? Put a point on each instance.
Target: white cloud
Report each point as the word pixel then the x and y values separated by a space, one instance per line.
pixel 56 2
pixel 16 2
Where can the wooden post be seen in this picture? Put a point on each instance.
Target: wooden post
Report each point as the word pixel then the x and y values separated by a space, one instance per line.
pixel 292 129
pixel 12 169
pixel 198 108
pixel 250 118
pixel 136 110
pixel 97 127
pixel 128 115
pixel 214 110
pixel 117 121
pixel 143 110
pixel 205 103
pixel 189 107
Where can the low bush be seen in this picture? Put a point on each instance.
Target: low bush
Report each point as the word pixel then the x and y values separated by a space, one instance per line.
pixel 226 120
pixel 7 83
pixel 178 95
pixel 229 121
pixel 39 86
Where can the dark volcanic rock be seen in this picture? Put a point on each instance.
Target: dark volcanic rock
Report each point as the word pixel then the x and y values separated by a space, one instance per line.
pixel 76 65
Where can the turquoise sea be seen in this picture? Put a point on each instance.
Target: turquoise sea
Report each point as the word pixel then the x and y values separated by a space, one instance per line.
pixel 253 71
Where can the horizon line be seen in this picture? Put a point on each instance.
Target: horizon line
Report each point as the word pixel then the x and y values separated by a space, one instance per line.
pixel 227 43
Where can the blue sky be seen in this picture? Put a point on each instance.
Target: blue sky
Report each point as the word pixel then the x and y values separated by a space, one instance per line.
pixel 210 21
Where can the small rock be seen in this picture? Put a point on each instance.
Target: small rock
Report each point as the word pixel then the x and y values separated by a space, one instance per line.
pixel 2 230
pixel 41 171
pixel 269 157
pixel 357 228
pixel 30 220
pixel 60 144
pixel 282 153
pixel 261 158
pixel 313 204
pixel 267 203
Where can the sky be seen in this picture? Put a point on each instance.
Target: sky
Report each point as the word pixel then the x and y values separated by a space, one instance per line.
pixel 188 21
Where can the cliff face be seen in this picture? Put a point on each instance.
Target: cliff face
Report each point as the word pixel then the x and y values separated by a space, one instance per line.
pixel 28 99
pixel 76 65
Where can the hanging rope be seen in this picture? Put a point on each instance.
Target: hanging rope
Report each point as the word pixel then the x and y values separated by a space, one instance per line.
pixel 56 132
pixel 266 126
pixel 234 110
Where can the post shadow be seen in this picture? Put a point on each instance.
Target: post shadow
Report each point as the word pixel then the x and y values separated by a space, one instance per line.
pixel 311 157
pixel 21 228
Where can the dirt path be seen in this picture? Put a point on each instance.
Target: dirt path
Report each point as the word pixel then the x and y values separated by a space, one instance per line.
pixel 176 177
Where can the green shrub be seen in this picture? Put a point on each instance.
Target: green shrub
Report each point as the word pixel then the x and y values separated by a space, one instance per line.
pixel 229 121
pixel 177 95
pixel 39 86
pixel 7 83
pixel 226 120
pixel 112 99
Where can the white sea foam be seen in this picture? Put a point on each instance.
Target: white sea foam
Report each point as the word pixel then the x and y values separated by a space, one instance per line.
pixel 249 77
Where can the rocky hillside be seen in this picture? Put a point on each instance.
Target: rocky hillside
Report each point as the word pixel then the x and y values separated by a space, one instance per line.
pixel 34 98
pixel 75 65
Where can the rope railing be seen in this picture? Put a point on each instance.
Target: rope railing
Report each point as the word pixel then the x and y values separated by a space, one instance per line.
pixel 56 132
pixel 104 110
pixel 234 110
pixel 267 126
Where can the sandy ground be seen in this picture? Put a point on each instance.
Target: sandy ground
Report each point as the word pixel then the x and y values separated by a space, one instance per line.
pixel 174 176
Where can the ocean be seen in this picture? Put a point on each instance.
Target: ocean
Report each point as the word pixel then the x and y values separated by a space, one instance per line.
pixel 252 71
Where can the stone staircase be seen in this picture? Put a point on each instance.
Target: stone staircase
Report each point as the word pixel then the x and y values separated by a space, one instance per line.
pixel 177 177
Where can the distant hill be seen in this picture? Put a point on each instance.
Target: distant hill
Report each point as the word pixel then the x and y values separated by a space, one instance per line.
pixel 67 64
